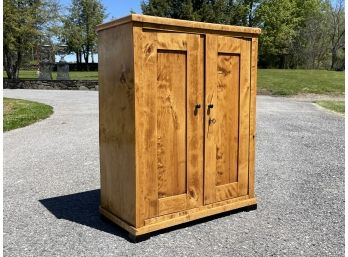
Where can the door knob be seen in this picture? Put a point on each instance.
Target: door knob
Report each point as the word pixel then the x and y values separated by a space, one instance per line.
pixel 210 106
pixel 197 106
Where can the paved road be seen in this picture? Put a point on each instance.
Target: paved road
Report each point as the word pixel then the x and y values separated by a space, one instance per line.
pixel 51 182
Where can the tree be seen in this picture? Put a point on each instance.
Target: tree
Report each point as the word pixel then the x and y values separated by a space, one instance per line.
pixel 79 27
pixel 279 20
pixel 25 25
pixel 159 8
pixel 242 12
pixel 295 33
pixel 71 33
pixel 310 48
pixel 336 35
pixel 319 41
pixel 236 12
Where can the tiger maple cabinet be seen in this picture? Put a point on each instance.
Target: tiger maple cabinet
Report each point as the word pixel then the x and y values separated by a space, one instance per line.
pixel 177 120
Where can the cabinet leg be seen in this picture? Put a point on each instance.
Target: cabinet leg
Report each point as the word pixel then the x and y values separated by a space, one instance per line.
pixel 250 208
pixel 132 238
pixel 136 239
pixel 103 218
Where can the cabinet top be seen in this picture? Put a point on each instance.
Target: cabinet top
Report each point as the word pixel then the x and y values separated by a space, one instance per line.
pixel 177 23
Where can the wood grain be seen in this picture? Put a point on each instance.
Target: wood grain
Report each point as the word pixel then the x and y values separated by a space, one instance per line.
pixel 145 19
pixel 146 106
pixel 228 45
pixel 234 113
pixel 210 135
pixel 193 214
pixel 190 211
pixel 252 132
pixel 243 159
pixel 171 122
pixel 195 126
pixel 181 217
pixel 198 213
pixel 172 204
pixel 174 84
pixel 199 31
pixel 162 161
pixel 140 173
pixel 226 85
pixel 226 191
pixel 227 118
pixel 179 42
pixel 117 123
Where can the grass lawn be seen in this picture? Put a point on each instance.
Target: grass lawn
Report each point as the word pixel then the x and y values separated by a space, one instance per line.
pixel 20 113
pixel 293 82
pixel 270 81
pixel 74 75
pixel 337 106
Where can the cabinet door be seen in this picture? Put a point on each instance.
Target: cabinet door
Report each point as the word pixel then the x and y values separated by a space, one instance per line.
pixel 172 95
pixel 227 118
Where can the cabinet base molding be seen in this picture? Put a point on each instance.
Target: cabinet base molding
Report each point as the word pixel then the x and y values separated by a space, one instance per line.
pixel 202 212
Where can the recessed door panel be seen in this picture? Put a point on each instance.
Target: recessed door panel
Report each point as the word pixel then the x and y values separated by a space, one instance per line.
pixel 172 63
pixel 227 102
pixel 227 118
pixel 171 122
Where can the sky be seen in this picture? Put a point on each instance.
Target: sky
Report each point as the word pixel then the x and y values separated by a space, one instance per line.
pixel 114 9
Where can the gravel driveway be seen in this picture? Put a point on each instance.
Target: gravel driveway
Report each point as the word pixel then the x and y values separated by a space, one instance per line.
pixel 51 182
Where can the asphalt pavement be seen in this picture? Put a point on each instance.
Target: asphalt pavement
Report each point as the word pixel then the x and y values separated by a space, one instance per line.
pixel 51 188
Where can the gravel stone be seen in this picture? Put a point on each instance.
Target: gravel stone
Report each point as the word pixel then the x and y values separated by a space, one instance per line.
pixel 51 188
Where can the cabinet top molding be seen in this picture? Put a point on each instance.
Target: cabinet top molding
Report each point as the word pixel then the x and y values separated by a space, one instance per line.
pixel 177 23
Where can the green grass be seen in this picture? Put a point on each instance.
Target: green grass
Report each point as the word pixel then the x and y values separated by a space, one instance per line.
pixel 270 81
pixel 337 106
pixel 293 82
pixel 20 113
pixel 74 75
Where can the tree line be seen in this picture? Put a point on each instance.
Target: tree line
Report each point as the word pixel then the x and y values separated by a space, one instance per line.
pixel 29 24
pixel 295 33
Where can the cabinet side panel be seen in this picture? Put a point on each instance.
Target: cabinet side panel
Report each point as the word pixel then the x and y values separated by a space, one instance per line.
pixel 116 122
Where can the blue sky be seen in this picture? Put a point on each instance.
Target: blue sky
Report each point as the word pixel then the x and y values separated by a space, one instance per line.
pixel 114 9
pixel 118 8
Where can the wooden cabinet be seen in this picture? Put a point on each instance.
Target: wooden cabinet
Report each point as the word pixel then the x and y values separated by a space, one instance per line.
pixel 177 120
